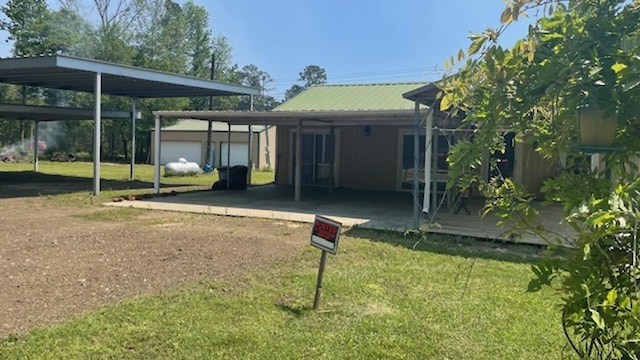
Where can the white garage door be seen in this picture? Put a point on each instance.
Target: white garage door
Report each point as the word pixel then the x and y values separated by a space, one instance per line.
pixel 239 154
pixel 171 151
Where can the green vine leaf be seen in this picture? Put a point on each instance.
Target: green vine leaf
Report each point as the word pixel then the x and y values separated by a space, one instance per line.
pixel 476 45
pixel 597 319
pixel 617 67
pixel 612 296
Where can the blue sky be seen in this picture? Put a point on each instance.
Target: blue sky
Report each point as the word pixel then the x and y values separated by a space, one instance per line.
pixel 355 41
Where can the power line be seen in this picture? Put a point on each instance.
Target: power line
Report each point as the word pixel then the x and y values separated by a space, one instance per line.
pixel 363 76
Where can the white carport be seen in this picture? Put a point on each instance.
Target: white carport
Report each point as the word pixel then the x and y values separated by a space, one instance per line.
pixel 99 77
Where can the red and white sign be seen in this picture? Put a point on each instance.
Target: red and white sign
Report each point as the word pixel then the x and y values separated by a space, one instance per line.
pixel 325 234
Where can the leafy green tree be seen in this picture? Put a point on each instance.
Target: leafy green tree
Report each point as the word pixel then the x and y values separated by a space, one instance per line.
pixel 583 53
pixel 252 76
pixel 311 75
pixel 26 24
pixel 199 47
pixel 165 35
pixel 225 70
pixel 68 33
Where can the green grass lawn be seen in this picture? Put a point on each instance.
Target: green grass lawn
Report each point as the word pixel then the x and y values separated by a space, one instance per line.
pixel 143 172
pixel 381 300
pixel 121 172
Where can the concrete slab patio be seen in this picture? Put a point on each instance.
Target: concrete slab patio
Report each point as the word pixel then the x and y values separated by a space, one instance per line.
pixel 373 210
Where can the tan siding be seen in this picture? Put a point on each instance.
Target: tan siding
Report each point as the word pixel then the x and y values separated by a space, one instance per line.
pixel 267 147
pixel 282 156
pixel 368 162
pixel 365 162
pixel 535 169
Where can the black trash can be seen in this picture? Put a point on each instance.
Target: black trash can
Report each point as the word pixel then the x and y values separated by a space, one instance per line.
pixel 236 176
pixel 223 173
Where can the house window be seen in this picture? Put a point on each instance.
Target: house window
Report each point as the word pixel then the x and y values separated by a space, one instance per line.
pixel 440 148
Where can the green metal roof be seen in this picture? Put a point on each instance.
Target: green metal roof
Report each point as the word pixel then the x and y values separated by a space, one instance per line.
pixel 352 98
pixel 199 125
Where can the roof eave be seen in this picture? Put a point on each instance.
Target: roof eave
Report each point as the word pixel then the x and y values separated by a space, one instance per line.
pixel 327 118
pixel 426 95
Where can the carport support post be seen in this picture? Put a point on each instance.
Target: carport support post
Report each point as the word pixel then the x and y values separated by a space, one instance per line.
pixel 298 175
pixel 35 146
pixel 97 116
pixel 416 168
pixel 228 156
pixel 134 115
pixel 250 152
pixel 156 157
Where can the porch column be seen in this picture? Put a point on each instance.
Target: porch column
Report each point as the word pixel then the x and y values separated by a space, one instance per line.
pixel 156 157
pixel 595 163
pixel 427 163
pixel 332 163
pixel 434 170
pixel 134 116
pixel 416 167
pixel 97 133
pixel 298 174
pixel 35 146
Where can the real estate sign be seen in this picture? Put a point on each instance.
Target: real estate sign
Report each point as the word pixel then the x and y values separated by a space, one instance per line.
pixel 325 234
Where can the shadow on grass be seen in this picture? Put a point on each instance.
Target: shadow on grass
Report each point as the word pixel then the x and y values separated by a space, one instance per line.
pixel 296 311
pixel 455 245
pixel 15 184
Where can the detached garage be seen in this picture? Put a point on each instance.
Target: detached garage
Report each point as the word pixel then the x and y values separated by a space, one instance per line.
pixel 171 151
pixel 239 154
pixel 188 139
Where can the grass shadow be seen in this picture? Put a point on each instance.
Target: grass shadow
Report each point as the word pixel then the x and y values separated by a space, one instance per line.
pixel 456 245
pixel 15 184
pixel 296 311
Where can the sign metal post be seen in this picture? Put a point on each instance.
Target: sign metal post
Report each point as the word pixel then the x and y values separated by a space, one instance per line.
pixel 324 235
pixel 323 261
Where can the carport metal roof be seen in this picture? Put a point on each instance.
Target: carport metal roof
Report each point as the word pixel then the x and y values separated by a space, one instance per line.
pixel 52 113
pixel 98 77
pixel 78 74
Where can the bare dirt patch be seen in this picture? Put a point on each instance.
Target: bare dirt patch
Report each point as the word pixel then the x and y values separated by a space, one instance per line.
pixel 58 261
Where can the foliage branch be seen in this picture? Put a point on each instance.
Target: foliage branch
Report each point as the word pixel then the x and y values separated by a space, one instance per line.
pixel 575 52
